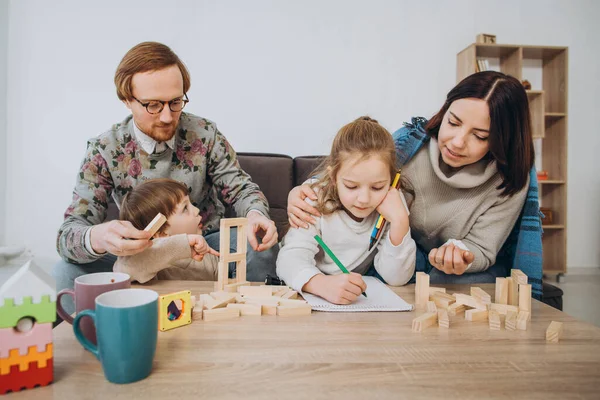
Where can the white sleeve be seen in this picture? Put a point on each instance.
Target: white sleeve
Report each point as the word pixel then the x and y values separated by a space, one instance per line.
pixel 296 263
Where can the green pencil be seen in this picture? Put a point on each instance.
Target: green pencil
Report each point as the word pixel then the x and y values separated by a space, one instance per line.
pixel 333 257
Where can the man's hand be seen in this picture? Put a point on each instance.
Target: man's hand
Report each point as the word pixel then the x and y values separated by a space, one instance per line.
pixel 200 248
pixel 300 213
pixel 259 225
pixel 451 259
pixel 112 237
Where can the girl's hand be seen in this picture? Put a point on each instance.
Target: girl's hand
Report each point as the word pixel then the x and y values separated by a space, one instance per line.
pixel 392 208
pixel 199 247
pixel 451 259
pixel 299 211
pixel 337 289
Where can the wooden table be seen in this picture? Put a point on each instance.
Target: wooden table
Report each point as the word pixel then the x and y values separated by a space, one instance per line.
pixel 344 355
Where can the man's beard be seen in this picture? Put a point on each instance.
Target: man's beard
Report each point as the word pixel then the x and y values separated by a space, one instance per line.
pixel 162 135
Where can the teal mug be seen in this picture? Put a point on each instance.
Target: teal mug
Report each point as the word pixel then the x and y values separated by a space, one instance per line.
pixel 126 323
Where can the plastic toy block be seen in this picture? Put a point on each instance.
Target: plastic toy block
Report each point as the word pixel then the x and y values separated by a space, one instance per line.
pixel 185 316
pixel 29 281
pixel 42 312
pixel 14 358
pixel 40 335
pixel 34 376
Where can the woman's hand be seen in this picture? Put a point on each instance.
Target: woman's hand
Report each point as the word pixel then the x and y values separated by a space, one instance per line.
pixel 200 248
pixel 336 289
pixel 451 259
pixel 300 213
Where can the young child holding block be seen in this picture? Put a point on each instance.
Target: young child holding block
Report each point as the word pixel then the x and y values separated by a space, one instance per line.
pixel 179 250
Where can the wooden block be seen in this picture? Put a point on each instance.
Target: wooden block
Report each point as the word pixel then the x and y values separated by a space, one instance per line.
pixel 513 292
pixel 285 311
pixel 469 301
pixel 554 331
pixel 494 320
pixel 422 289
pixel 219 303
pixel 255 291
pixel 222 275
pixel 443 319
pixel 222 294
pixel 510 323
pixel 518 276
pixel 431 307
pixel 247 309
pixel 281 292
pixel 292 302
pixel 220 314
pixel 271 301
pixel 197 313
pixel 501 291
pixel 433 290
pixel 269 309
pixel 276 288
pixel 476 315
pixel 442 300
pixel 234 287
pixel 481 295
pixel 155 224
pixel 503 309
pixel 522 318
pixel 525 298
pixel 424 321
pixel 456 308
pixel 291 294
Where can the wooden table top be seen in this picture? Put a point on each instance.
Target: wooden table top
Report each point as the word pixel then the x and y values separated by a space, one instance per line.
pixel 344 355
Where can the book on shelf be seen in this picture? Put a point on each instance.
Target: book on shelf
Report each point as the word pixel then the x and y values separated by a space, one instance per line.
pixel 482 65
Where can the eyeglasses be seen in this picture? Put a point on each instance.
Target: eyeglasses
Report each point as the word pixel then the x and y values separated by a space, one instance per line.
pixel 156 106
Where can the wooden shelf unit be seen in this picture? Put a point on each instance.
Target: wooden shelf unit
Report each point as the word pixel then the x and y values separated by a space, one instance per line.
pixel 548 107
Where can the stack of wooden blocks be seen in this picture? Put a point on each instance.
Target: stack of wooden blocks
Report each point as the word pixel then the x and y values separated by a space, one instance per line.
pixel 250 300
pixel 512 301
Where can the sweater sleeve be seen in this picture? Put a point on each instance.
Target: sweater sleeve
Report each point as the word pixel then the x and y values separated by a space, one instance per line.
pixel 296 263
pixel 167 252
pixel 396 264
pixel 89 205
pixel 490 230
pixel 231 182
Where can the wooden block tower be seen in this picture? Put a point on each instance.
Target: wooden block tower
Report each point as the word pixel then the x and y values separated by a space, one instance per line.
pixel 223 282
pixel 27 311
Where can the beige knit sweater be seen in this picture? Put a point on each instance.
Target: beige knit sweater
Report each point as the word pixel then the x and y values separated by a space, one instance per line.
pixel 461 204
pixel 168 258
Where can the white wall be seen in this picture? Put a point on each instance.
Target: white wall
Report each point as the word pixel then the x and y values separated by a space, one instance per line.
pixel 3 64
pixel 276 76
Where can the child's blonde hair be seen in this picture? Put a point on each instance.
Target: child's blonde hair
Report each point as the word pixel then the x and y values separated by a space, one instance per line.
pixel 362 136
pixel 149 198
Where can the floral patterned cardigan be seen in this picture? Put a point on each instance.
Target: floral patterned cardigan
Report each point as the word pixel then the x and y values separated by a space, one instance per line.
pixel 115 162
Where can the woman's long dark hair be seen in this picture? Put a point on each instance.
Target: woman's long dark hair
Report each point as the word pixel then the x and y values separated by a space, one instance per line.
pixel 511 143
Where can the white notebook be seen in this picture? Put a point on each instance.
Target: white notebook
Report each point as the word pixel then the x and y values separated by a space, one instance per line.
pixel 380 298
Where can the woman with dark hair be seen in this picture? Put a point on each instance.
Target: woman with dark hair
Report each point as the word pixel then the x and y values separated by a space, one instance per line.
pixel 470 184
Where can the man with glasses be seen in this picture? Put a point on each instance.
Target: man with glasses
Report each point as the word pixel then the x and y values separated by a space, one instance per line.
pixel 158 140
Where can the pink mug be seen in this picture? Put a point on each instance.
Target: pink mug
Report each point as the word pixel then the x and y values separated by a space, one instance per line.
pixel 87 288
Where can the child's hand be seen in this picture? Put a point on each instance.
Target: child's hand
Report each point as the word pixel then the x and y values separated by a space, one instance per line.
pixel 337 289
pixel 451 259
pixel 199 247
pixel 392 208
